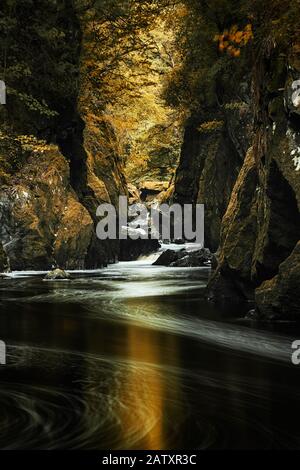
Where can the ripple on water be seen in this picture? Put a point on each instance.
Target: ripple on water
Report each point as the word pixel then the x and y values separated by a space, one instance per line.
pixel 91 402
pixel 161 377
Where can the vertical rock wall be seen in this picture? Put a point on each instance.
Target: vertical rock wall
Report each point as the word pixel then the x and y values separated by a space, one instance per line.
pixel 214 148
pixel 55 172
pixel 260 231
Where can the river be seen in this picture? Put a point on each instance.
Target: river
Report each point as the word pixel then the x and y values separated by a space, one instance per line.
pixel 134 357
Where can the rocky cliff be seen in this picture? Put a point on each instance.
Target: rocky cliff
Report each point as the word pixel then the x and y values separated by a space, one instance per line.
pixel 55 169
pixel 215 145
pixel 259 250
pixel 240 85
pixel 42 220
pixel 47 220
pixel 3 259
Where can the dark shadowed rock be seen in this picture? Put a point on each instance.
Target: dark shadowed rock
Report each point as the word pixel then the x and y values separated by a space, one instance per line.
pixel 278 298
pixel 253 315
pixel 131 250
pixel 232 276
pixel 193 259
pixel 184 259
pixel 168 257
pixel 3 259
pixel 211 158
pixel 179 241
pixel 259 248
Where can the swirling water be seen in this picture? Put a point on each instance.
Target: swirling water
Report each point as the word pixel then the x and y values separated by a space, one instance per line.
pixel 133 357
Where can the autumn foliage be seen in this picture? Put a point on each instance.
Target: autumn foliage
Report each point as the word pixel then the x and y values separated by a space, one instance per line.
pixel 232 40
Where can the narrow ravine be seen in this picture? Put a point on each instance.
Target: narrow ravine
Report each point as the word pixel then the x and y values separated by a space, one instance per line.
pixel 188 104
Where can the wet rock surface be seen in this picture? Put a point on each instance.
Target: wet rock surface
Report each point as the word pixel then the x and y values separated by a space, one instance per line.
pixel 184 259
pixel 57 274
pixel 259 248
pixel 214 147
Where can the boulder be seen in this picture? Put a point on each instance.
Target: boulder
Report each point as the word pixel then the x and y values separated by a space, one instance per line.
pixel 183 258
pixel 193 259
pixel 168 257
pixel 179 241
pixel 57 274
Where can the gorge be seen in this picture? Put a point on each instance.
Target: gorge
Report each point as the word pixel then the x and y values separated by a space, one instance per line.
pixel 178 102
pixel 69 136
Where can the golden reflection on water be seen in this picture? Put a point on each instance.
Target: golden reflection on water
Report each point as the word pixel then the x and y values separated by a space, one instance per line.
pixel 142 404
pixel 154 393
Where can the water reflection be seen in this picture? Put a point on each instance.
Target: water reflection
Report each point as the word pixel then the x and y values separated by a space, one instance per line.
pixel 133 357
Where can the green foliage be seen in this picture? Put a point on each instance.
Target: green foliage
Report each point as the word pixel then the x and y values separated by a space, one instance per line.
pixel 32 104
pixel 39 46
pixel 196 84
pixel 244 29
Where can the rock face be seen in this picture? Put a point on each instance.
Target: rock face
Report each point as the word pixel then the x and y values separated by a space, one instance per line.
pixel 45 219
pixel 41 219
pixel 260 231
pixel 238 234
pixel 50 192
pixel 152 189
pixel 134 194
pixel 277 298
pixel 212 155
pixel 3 259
